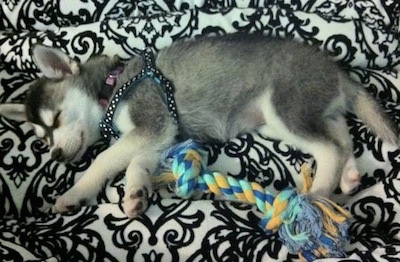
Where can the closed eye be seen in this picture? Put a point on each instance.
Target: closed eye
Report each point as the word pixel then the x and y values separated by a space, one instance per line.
pixel 45 140
pixel 41 135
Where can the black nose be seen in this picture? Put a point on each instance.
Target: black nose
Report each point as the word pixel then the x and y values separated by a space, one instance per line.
pixel 57 154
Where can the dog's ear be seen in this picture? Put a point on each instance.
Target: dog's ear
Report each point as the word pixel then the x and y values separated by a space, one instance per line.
pixel 15 112
pixel 53 62
pixel 115 60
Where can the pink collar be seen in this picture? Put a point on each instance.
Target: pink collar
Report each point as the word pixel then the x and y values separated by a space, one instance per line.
pixel 112 77
pixel 111 81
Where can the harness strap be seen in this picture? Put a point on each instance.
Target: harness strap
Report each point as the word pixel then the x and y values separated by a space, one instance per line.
pixel 108 129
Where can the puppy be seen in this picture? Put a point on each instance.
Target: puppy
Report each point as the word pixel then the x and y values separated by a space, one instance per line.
pixel 212 88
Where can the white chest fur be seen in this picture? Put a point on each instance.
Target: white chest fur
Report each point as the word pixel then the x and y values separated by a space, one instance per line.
pixel 122 119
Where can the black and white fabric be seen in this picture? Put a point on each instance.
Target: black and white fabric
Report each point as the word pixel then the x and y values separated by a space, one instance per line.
pixel 362 35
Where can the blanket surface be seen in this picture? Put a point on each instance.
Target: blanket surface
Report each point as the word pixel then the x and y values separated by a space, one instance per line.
pixel 362 35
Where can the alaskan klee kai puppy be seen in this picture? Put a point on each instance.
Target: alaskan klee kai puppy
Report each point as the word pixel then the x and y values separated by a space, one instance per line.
pixel 224 86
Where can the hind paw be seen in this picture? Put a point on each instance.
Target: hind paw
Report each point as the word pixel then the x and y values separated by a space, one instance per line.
pixel 350 181
pixel 351 178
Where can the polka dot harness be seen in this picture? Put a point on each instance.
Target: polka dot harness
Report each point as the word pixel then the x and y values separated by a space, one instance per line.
pixel 108 129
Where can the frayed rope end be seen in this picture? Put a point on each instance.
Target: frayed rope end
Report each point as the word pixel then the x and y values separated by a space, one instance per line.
pixel 312 226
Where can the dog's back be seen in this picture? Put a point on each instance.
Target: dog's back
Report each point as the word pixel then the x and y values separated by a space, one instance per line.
pixel 221 78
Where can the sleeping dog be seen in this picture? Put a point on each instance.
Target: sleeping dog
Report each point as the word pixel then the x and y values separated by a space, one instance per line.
pixel 212 88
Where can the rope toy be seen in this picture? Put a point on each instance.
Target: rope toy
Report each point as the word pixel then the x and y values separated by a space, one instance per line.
pixel 309 226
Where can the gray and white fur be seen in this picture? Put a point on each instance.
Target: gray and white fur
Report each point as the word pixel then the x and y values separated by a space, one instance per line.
pixel 225 86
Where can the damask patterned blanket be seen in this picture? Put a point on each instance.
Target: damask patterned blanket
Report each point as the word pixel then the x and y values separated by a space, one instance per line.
pixel 363 35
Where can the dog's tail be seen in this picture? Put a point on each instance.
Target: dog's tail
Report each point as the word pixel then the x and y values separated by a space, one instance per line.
pixel 369 111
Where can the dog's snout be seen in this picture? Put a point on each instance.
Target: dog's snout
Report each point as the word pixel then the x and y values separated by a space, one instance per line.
pixel 57 154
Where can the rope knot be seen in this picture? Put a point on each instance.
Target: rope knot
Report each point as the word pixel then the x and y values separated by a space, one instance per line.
pixel 186 163
pixel 187 166
pixel 279 210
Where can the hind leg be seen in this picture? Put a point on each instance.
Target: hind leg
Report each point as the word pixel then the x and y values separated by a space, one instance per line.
pixel 324 137
pixel 350 176
pixel 338 154
pixel 329 160
pixel 326 153
pixel 331 147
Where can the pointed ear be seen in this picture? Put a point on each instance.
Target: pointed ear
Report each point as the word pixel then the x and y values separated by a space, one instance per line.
pixel 53 62
pixel 15 112
pixel 116 59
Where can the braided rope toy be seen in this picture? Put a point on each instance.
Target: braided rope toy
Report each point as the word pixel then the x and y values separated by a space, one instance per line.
pixel 309 226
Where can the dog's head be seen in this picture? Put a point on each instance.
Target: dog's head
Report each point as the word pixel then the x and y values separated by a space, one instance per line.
pixel 64 106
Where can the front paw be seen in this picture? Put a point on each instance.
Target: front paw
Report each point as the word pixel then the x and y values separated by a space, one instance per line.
pixel 67 203
pixel 135 201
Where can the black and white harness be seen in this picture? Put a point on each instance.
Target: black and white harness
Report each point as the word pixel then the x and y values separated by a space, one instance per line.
pixel 108 129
